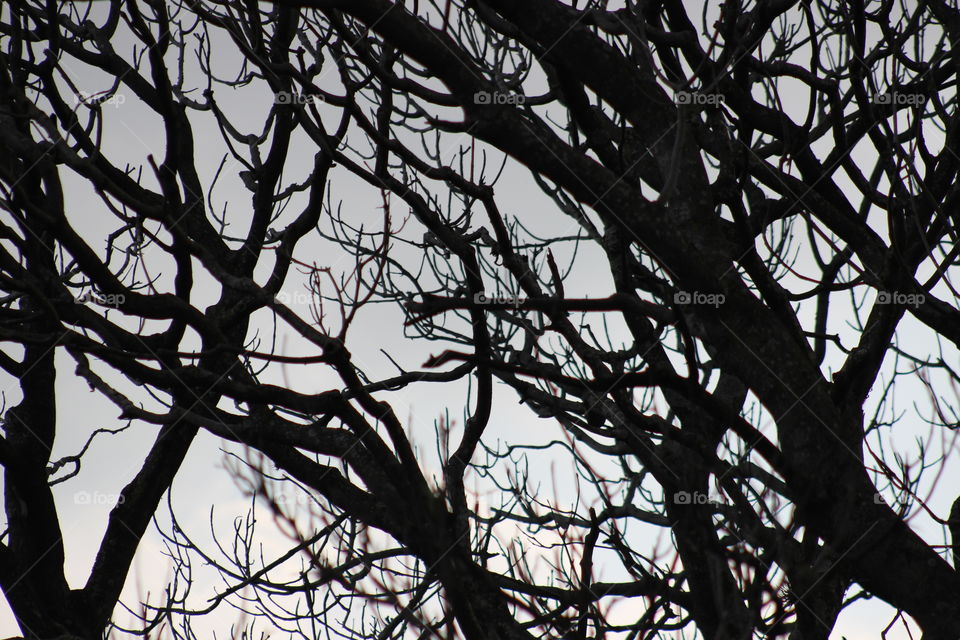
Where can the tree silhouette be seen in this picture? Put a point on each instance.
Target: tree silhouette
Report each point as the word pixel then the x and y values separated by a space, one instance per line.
pixel 708 247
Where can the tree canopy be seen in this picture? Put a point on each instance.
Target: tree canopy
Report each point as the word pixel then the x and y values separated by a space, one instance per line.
pixel 680 275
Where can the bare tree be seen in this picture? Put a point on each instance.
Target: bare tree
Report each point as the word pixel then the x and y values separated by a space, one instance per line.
pixel 709 247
